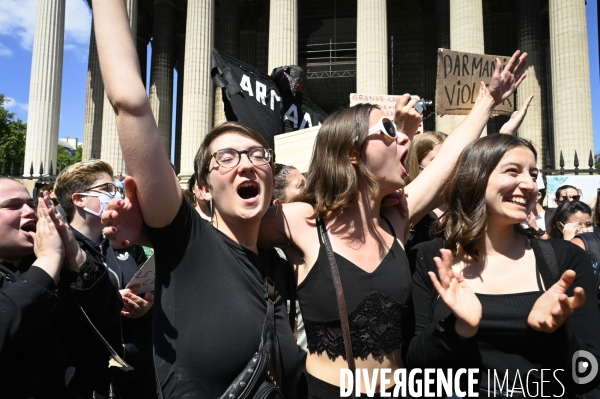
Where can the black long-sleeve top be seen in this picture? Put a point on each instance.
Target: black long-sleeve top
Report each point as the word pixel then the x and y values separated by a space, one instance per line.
pixel 504 343
pixel 47 349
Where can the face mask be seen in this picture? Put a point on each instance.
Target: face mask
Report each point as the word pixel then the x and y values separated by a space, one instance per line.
pixel 104 200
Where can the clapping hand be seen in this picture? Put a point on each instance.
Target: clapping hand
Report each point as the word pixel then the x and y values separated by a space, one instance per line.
pixel 73 254
pixel 457 295
pixel 554 307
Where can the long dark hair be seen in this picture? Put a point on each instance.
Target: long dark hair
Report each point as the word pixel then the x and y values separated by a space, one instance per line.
pixel 465 221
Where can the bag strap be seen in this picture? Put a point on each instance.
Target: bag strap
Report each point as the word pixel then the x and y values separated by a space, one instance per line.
pixel 335 274
pixel 550 257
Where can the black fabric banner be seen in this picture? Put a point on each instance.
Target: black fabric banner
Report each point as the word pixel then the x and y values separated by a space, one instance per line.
pixel 271 105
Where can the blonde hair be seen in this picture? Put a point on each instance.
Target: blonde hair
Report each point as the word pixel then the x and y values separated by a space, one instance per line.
pixel 77 178
pixel 421 145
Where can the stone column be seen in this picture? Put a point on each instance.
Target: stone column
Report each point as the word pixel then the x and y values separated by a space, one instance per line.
pixel 179 114
pixel 111 148
pixel 466 32
pixel 371 47
pixel 283 34
pixel 197 85
pixel 529 31
pixel 571 102
pixel 94 104
pixel 45 87
pixel 444 124
pixel 161 73
pixel 228 39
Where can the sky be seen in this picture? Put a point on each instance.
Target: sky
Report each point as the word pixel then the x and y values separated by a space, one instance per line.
pixel 17 28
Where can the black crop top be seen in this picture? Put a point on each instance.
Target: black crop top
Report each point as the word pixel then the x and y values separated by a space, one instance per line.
pixel 377 304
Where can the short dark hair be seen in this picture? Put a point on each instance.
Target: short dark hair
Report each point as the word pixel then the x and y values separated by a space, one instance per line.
pixel 465 221
pixel 202 158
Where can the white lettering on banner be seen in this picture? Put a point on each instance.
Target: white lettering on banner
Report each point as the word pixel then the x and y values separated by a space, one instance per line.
pixel 261 92
pixel 306 121
pixel 274 97
pixel 261 95
pixel 292 115
pixel 245 85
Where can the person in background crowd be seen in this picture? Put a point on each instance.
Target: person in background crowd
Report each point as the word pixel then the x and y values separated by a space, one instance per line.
pixel 536 219
pixel 83 189
pixel 423 150
pixel 119 181
pixel 485 294
pixel 567 193
pixel 289 182
pixel 570 219
pixel 47 347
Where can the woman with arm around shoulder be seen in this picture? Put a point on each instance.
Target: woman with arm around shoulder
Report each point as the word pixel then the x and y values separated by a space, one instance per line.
pixel 209 291
pixel 359 157
pixel 492 301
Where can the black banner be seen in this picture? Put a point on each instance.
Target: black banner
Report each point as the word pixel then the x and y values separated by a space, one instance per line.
pixel 271 105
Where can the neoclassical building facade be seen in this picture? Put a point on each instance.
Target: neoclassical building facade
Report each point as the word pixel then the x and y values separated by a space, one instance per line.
pixel 344 46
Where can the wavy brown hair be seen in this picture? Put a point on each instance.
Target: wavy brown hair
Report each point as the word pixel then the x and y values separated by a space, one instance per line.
pixel 465 221
pixel 332 180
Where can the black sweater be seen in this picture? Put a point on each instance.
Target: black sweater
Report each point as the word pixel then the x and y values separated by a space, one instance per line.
pixel 504 344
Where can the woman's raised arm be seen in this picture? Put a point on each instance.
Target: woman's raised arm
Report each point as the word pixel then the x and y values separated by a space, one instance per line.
pixel 159 193
pixel 424 191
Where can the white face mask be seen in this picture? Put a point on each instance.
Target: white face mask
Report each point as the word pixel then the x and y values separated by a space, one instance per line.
pixel 104 200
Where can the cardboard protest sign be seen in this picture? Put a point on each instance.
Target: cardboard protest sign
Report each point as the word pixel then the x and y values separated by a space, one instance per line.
pixel 296 148
pixel 387 103
pixel 144 277
pixel 458 77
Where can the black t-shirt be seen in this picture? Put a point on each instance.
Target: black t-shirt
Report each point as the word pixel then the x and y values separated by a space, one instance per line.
pixel 504 343
pixel 209 307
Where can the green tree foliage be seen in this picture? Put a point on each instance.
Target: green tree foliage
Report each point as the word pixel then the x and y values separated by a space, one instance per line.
pixel 65 159
pixel 12 138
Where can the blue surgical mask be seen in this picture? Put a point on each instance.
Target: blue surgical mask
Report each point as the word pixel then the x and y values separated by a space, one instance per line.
pixel 104 200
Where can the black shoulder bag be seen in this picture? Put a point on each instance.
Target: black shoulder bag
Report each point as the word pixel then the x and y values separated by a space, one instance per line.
pixel 255 379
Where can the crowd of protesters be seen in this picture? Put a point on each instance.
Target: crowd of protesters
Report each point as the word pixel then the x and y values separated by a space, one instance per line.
pixel 393 251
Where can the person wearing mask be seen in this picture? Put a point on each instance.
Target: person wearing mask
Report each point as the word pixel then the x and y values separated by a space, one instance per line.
pixel 83 190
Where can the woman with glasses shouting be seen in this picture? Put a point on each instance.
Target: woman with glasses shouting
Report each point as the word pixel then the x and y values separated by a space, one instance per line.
pixel 210 275
pixel 210 305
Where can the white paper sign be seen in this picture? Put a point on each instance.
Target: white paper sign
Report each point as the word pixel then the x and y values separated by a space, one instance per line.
pixel 145 277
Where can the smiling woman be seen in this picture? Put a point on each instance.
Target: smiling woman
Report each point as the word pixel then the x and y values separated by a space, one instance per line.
pixel 493 301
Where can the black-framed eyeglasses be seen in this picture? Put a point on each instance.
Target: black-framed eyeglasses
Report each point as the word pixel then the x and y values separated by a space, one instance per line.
pixel 230 158
pixel 108 188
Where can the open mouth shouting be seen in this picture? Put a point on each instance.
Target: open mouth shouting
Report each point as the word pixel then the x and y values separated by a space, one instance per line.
pixel 248 190
pixel 29 228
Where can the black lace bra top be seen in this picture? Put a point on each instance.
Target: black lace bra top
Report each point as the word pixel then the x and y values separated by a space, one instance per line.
pixel 376 303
